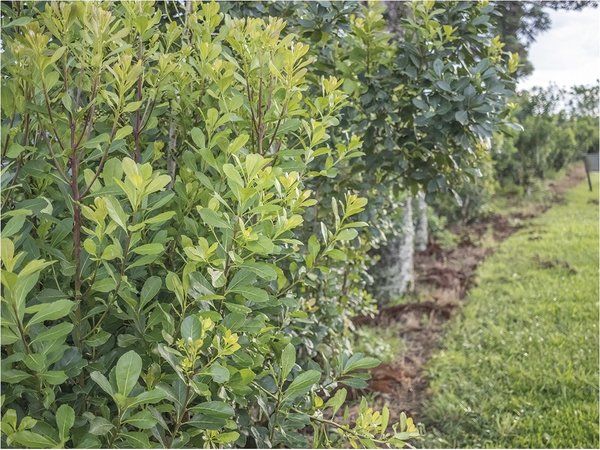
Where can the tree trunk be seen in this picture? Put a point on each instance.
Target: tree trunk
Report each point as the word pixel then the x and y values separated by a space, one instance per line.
pixel 393 273
pixel 421 232
pixel 407 249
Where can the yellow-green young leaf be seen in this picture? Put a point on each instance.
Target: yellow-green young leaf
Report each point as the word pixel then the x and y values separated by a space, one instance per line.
pixel 149 249
pixel 347 234
pixel 237 143
pixel 233 175
pixel 160 218
pixel 65 418
pixel 127 372
pixel 21 21
pixel 90 247
pixel 226 438
pixel 50 311
pixel 336 401
pixel 7 252
pixel 104 285
pixel 34 266
pixel 123 132
pixel 110 252
pixel 174 285
pixel 198 137
pixel 157 184
pixel 385 418
pixel 116 213
pixel 132 106
pixel 13 226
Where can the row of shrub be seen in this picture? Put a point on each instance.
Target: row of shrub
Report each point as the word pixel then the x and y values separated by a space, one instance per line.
pixel 192 194
pixel 558 127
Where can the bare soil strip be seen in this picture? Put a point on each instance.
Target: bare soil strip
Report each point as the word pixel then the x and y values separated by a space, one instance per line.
pixel 443 278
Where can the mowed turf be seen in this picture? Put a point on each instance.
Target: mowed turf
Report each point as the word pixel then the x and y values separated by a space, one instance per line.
pixel 519 368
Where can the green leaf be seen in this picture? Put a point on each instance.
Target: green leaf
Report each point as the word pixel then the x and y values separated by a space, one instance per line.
pixel 53 334
pixel 97 140
pixel 65 418
pixel 149 249
pixel 226 438
pixel 54 377
pixel 127 372
pixel 214 409
pixel 123 132
pixel 137 439
pixel 191 328
pixel 198 137
pixel 100 426
pixel 233 175
pixel 336 401
pixel 13 226
pixel 116 213
pixel 12 376
pixel 347 235
pixel 151 287
pixel 462 117
pixel 132 106
pixel 219 373
pixel 264 270
pixel 51 311
pixel 32 440
pixel 301 384
pixel 97 339
pixel 358 361
pixel 252 293
pixel 143 420
pixel 237 143
pixel 19 22
pixel 160 218
pixel 211 219
pixel 420 104
pixel 147 397
pixel 288 360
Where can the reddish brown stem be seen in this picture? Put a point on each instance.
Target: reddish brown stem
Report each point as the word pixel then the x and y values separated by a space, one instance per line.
pixel 137 128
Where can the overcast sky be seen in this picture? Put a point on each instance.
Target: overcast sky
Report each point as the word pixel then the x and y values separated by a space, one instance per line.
pixel 569 52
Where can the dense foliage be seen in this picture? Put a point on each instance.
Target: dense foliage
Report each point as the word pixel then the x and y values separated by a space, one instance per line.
pixel 186 231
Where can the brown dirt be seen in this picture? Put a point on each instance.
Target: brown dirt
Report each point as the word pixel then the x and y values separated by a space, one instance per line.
pixel 443 278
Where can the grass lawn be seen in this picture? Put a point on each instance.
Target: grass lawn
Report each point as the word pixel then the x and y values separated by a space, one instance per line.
pixel 519 367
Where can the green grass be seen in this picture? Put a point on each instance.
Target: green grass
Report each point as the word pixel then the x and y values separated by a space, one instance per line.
pixel 519 367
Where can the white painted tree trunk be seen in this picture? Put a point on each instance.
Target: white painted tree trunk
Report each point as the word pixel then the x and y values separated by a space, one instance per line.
pixel 421 232
pixel 395 270
pixel 406 249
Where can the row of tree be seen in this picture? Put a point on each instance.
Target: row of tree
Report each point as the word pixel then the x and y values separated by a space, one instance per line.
pixel 194 200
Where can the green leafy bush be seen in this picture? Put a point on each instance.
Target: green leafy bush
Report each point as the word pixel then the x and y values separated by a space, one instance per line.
pixel 159 283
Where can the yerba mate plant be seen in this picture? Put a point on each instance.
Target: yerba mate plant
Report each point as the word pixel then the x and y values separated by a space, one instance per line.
pixel 154 189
